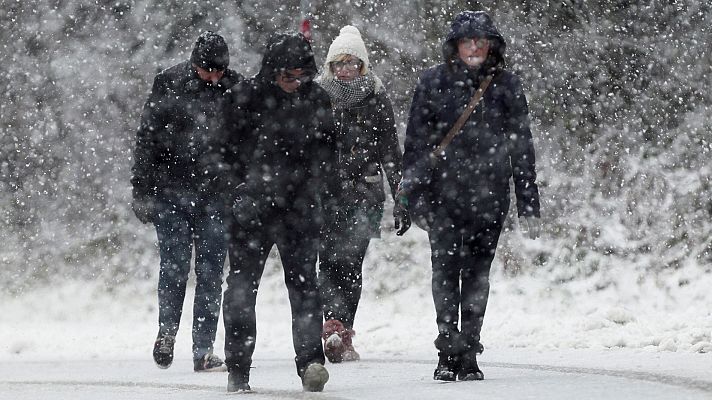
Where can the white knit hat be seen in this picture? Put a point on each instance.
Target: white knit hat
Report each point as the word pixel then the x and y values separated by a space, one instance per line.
pixel 348 42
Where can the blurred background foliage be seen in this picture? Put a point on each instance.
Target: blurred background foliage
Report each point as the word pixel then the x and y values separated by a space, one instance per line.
pixel 619 93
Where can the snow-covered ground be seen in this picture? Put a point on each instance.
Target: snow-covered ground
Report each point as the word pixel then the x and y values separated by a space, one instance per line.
pixel 635 338
pixel 371 378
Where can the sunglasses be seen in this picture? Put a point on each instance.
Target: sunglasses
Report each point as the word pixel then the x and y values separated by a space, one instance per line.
pixel 348 65
pixel 289 78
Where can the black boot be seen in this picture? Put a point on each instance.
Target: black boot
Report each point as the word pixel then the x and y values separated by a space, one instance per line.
pixel 448 366
pixel 163 350
pixel 238 381
pixel 469 370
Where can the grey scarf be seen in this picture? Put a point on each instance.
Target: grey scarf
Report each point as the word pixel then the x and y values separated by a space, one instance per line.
pixel 346 94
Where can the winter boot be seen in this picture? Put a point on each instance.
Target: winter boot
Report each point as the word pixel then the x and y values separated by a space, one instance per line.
pixel 349 353
pixel 334 334
pixel 314 377
pixel 163 350
pixel 238 381
pixel 209 363
pixel 448 366
pixel 469 371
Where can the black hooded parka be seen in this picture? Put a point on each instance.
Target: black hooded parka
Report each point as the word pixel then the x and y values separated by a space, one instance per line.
pixel 468 185
pixel 282 143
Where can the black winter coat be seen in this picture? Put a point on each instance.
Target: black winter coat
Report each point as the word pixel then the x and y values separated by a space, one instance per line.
pixel 284 144
pixel 367 143
pixel 181 139
pixel 471 180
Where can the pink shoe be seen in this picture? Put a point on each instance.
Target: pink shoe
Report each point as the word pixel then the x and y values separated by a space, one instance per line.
pixel 333 341
pixel 338 346
pixel 350 354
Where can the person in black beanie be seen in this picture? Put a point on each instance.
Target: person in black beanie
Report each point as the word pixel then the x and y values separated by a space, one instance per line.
pixel 463 187
pixel 178 180
pixel 282 137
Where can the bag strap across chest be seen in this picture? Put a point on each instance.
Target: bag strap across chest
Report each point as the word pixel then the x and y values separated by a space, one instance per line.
pixel 455 130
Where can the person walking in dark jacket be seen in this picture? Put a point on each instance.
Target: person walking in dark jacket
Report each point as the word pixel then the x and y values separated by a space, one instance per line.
pixel 283 138
pixel 467 183
pixel 367 142
pixel 176 187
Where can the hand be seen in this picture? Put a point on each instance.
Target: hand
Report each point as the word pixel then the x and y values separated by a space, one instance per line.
pixel 401 216
pixel 245 211
pixel 531 226
pixel 144 208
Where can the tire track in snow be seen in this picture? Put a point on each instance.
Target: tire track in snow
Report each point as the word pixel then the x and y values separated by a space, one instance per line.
pixel 687 383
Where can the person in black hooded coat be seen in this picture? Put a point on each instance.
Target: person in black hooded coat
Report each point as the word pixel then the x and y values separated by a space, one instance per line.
pixel 178 178
pixel 282 138
pixel 467 184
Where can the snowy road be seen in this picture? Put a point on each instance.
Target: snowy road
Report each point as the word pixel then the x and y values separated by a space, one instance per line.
pixel 368 379
pixel 72 342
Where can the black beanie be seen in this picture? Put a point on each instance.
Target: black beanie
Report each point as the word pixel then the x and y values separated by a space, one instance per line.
pixel 210 52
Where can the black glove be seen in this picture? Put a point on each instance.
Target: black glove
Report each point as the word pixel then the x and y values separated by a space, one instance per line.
pixel 400 213
pixel 144 208
pixel 245 211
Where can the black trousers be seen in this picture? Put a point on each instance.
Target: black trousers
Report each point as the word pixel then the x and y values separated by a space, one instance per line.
pixel 248 252
pixel 341 274
pixel 462 254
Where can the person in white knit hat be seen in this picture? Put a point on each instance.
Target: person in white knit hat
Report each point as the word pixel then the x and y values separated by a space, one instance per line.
pixel 367 143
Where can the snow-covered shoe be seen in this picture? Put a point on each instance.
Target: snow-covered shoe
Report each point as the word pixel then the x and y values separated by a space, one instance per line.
pixel 333 334
pixel 469 371
pixel 238 381
pixel 209 363
pixel 447 368
pixel 334 348
pixel 350 354
pixel 338 342
pixel 163 350
pixel 315 377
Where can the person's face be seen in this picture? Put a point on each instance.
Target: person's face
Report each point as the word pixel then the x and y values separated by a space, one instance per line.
pixel 206 75
pixel 347 69
pixel 473 51
pixel 290 80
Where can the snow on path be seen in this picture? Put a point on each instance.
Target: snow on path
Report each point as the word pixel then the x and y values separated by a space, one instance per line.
pixel 636 339
pixel 274 378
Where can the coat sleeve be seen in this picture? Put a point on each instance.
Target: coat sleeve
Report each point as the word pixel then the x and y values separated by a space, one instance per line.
pixel 239 142
pixel 325 162
pixel 146 152
pixel 389 151
pixel 416 155
pixel 522 150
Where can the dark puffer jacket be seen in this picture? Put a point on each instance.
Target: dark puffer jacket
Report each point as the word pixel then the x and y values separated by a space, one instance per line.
pixel 181 138
pixel 471 181
pixel 283 141
pixel 367 143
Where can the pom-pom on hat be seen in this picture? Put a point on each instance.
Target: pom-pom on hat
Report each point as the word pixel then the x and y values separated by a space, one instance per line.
pixel 350 42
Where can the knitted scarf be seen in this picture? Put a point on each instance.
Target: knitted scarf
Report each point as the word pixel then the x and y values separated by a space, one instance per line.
pixel 346 94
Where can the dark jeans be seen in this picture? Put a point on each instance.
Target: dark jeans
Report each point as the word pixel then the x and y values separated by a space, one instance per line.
pixel 341 255
pixel 249 249
pixel 461 257
pixel 180 226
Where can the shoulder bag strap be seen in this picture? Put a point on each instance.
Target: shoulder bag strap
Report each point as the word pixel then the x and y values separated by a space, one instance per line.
pixel 455 130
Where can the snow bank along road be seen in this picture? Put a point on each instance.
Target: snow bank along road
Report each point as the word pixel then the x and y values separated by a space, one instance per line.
pixel 274 378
